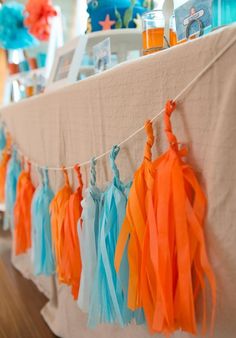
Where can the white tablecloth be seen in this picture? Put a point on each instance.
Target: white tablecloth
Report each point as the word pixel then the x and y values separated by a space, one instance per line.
pixel 73 124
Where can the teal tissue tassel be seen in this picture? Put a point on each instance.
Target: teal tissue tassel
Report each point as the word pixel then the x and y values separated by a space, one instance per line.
pixel 43 257
pixel 13 172
pixel 2 138
pixel 108 300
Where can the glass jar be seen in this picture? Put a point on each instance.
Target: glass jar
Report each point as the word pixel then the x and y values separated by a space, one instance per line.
pixel 172 31
pixel 153 24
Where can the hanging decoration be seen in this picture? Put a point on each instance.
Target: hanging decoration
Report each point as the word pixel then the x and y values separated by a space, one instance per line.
pixel 70 252
pixel 5 157
pixel 13 33
pixel 43 257
pixel 108 303
pixel 2 138
pixel 171 242
pixel 140 293
pixel 58 208
pixel 13 173
pixel 39 14
pixel 88 228
pixel 22 211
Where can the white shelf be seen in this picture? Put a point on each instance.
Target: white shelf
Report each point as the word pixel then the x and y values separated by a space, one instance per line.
pixel 30 73
pixel 122 41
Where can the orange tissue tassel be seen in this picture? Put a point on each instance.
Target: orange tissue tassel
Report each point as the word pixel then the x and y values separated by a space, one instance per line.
pixel 70 253
pixel 22 212
pixel 168 262
pixel 134 230
pixel 58 208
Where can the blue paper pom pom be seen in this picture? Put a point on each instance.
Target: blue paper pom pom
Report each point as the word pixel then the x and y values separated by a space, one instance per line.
pixel 13 33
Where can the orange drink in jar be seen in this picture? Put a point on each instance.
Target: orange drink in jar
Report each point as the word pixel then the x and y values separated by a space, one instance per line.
pixel 153 31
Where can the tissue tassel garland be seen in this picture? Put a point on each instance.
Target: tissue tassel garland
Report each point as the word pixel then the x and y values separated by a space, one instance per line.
pixel 13 173
pixel 58 208
pixel 70 248
pixel 22 212
pixel 43 257
pixel 173 252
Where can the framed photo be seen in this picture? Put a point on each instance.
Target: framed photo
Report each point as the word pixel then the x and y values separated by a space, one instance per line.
pixel 193 18
pixel 67 63
pixel 102 55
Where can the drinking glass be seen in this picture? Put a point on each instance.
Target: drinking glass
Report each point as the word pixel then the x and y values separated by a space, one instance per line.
pixel 153 24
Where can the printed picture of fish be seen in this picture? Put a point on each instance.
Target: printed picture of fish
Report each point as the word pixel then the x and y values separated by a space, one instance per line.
pixel 121 11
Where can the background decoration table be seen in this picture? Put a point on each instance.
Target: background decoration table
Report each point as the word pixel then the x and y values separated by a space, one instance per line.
pixel 85 119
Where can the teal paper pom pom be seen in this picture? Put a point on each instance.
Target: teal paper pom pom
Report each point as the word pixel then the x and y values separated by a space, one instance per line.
pixel 13 33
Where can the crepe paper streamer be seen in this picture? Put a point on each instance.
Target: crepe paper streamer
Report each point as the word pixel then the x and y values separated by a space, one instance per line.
pixel 13 173
pixel 108 302
pixel 182 263
pixel 168 223
pixel 2 138
pixel 38 18
pixel 13 33
pixel 133 231
pixel 58 208
pixel 88 236
pixel 22 212
pixel 43 257
pixel 5 157
pixel 70 250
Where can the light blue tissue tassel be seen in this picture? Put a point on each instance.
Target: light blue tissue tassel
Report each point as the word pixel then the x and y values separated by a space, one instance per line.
pixel 13 172
pixel 108 302
pixel 88 236
pixel 2 138
pixel 43 257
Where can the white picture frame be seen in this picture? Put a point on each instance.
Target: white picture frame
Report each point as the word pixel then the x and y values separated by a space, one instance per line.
pixel 102 55
pixel 67 63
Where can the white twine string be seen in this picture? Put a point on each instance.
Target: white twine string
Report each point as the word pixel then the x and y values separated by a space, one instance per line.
pixel 176 99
